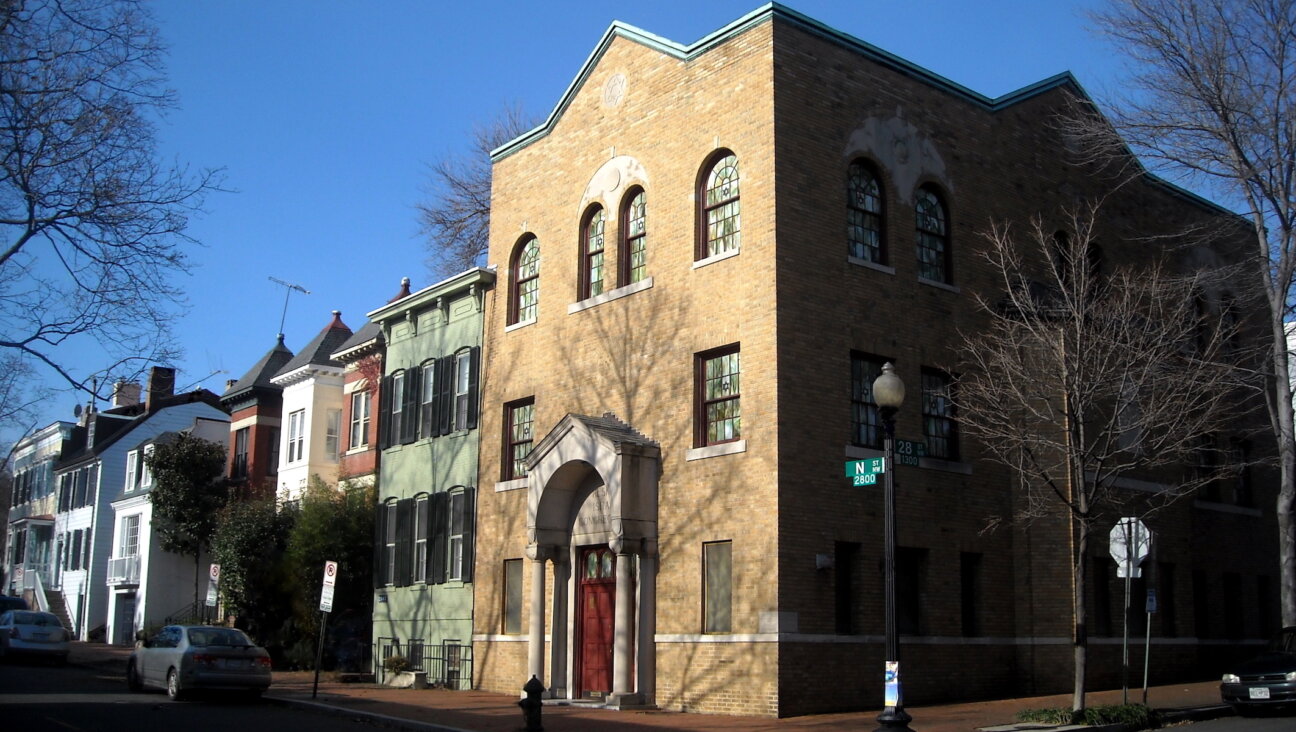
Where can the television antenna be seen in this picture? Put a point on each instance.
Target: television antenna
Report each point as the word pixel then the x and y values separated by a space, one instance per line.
pixel 288 288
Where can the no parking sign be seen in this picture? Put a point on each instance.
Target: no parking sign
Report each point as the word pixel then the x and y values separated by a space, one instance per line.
pixel 326 592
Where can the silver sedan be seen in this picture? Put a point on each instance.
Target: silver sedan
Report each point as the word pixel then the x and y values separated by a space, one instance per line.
pixel 184 658
pixel 33 633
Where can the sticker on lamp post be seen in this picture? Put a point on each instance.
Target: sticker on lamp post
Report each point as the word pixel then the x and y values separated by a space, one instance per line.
pixel 892 679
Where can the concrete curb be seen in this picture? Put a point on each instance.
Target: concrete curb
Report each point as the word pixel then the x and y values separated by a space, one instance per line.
pixel 387 720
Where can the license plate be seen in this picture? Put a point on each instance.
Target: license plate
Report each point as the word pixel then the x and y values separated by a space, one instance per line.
pixel 1259 692
pixel 40 636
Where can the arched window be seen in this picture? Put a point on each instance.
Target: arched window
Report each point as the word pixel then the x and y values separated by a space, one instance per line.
pixel 719 220
pixel 933 236
pixel 591 283
pixel 633 252
pixel 864 214
pixel 526 281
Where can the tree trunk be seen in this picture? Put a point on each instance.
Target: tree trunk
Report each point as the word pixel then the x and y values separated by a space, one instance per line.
pixel 1081 637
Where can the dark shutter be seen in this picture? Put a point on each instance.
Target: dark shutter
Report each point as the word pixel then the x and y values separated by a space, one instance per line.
pixel 437 537
pixel 446 381
pixel 474 379
pixel 404 542
pixel 384 413
pixel 409 408
pixel 470 512
pixel 380 544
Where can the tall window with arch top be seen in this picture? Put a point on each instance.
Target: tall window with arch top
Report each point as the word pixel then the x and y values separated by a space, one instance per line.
pixel 526 281
pixel 721 208
pixel 634 239
pixel 933 236
pixel 592 254
pixel 864 214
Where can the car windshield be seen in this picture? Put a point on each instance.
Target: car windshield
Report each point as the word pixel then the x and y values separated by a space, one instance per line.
pixel 35 618
pixel 217 637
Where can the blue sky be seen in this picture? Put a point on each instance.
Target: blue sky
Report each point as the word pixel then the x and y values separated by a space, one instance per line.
pixel 325 115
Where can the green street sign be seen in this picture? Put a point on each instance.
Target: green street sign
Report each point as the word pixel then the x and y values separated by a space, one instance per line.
pixel 866 479
pixel 867 466
pixel 908 452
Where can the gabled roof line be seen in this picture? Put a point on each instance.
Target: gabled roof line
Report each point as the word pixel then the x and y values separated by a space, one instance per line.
pixel 763 14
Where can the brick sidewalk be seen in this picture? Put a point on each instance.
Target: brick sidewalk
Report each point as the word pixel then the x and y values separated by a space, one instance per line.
pixel 479 711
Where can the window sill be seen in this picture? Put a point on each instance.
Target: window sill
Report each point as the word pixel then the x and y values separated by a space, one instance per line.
pixel 939 285
pixel 357 450
pixel 516 484
pixel 710 451
pixel 522 324
pixel 859 452
pixel 870 265
pixel 610 295
pixel 717 258
pixel 1225 508
pixel 945 466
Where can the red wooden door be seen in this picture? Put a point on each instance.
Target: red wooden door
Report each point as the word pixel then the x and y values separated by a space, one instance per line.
pixel 597 603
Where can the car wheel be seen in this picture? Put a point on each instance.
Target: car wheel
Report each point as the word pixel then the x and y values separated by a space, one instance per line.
pixel 254 694
pixel 133 679
pixel 173 685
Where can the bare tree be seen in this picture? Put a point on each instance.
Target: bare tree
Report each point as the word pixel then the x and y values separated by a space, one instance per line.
pixel 93 224
pixel 1214 102
pixel 456 218
pixel 1086 375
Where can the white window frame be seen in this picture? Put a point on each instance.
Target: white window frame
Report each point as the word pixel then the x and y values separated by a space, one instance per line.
pixel 420 534
pixel 463 374
pixel 129 536
pixel 389 544
pixel 333 434
pixel 132 460
pixel 359 419
pixel 455 534
pixel 296 435
pixel 145 473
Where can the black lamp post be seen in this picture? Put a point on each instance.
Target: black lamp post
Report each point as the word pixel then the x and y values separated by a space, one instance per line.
pixel 888 394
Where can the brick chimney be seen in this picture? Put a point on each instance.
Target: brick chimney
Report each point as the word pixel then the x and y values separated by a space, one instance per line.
pixel 125 394
pixel 161 384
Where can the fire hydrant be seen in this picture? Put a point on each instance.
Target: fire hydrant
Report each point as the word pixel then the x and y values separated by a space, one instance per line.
pixel 531 705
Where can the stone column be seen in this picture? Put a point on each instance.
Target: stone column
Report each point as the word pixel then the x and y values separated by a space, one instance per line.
pixel 646 658
pixel 558 625
pixel 623 633
pixel 535 641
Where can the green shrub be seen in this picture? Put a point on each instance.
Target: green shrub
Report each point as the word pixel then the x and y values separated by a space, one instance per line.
pixel 1131 714
pixel 397 664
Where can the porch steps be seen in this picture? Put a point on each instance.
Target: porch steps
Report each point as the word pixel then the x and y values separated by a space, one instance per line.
pixel 58 606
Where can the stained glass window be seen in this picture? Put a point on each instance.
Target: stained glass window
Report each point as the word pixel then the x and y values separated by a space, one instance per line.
pixel 866 424
pixel 722 208
pixel 593 283
pixel 526 274
pixel 864 214
pixel 721 407
pixel 634 253
pixel 521 417
pixel 939 428
pixel 933 237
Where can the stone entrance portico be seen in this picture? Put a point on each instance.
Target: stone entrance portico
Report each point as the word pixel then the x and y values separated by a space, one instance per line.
pixel 593 482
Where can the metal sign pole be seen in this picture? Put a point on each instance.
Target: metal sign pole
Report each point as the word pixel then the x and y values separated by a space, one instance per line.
pixel 1129 567
pixel 319 652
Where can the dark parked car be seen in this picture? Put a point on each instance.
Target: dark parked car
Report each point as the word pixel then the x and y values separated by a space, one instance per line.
pixel 183 658
pixel 9 602
pixel 1266 681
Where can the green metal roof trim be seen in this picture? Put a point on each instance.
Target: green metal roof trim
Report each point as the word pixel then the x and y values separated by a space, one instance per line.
pixel 451 286
pixel 767 13
pixel 755 18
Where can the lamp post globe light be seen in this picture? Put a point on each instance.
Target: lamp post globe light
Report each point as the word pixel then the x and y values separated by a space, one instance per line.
pixel 888 394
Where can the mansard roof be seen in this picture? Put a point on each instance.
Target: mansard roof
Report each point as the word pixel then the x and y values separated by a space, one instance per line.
pixel 320 350
pixel 258 377
pixel 363 342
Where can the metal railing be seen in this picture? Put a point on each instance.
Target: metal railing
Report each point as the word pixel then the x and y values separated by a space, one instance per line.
pixel 124 570
pixel 448 665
